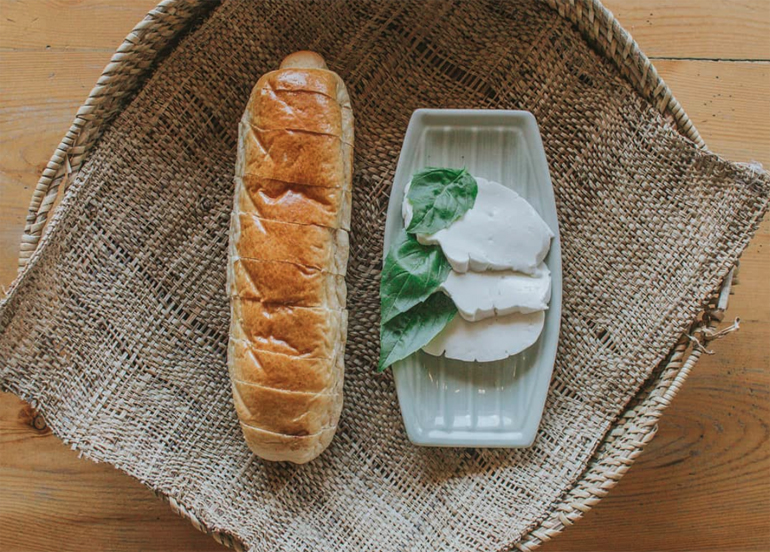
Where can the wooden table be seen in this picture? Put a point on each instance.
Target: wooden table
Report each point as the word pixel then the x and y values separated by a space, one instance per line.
pixel 703 483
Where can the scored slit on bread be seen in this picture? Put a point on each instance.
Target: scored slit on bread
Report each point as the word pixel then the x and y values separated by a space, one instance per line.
pixel 288 257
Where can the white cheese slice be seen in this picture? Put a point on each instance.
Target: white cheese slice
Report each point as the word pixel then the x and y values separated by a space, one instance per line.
pixel 480 295
pixel 501 232
pixel 490 339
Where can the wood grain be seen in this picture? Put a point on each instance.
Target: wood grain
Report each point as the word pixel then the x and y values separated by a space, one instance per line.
pixel 703 483
pixel 663 28
pixel 41 92
pixel 52 500
pixel 51 53
pixel 728 103
pixel 69 25
pixel 697 29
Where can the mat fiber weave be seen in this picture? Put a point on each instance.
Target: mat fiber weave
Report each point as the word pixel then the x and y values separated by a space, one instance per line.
pixel 117 330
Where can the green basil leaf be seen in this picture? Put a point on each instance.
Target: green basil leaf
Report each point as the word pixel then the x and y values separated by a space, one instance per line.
pixel 413 329
pixel 412 272
pixel 439 197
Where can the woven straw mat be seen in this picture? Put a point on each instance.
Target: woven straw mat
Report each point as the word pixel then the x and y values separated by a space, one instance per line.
pixel 117 330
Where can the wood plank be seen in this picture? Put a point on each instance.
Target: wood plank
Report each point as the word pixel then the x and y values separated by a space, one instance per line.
pixel 690 490
pixel 40 92
pixel 703 483
pixel 719 29
pixel 728 103
pixel 70 24
pixel 722 29
pixel 50 499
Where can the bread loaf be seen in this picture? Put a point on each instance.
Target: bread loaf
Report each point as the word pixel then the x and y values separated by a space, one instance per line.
pixel 288 257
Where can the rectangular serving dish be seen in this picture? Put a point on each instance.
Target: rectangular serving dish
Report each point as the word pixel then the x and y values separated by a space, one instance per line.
pixel 470 404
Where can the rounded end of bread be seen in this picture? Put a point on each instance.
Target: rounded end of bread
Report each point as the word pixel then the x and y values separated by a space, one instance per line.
pixel 286 448
pixel 303 60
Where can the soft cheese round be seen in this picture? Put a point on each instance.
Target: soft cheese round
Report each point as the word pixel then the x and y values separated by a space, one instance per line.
pixel 490 339
pixel 480 295
pixel 502 231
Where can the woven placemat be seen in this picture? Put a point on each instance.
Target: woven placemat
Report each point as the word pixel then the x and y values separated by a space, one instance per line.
pixel 117 329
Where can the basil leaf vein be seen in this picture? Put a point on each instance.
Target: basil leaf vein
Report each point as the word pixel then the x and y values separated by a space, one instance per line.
pixel 439 197
pixel 411 330
pixel 411 273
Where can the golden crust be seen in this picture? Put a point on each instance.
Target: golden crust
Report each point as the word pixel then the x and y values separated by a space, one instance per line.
pixel 295 203
pixel 282 371
pixel 320 81
pixel 278 447
pixel 288 257
pixel 287 412
pixel 286 283
pixel 296 156
pixel 308 245
pixel 294 331
pixel 273 108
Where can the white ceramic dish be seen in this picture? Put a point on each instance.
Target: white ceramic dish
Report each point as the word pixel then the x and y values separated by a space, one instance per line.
pixel 468 404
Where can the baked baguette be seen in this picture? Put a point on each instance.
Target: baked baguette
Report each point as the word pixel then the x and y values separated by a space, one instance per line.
pixel 287 260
